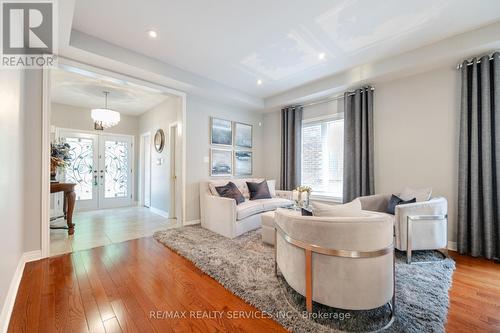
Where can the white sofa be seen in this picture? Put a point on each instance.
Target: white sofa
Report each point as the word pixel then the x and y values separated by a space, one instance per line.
pixel 418 226
pixel 223 216
pixel 342 262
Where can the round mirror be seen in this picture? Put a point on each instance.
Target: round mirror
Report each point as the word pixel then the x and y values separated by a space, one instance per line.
pixel 159 140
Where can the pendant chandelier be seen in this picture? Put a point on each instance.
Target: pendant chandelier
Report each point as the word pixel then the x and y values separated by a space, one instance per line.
pixel 105 118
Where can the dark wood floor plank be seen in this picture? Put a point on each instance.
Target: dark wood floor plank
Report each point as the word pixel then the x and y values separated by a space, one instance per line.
pixel 114 289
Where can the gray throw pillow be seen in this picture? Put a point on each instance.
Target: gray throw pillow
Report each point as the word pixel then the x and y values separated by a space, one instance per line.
pixel 230 190
pixel 259 190
pixel 395 201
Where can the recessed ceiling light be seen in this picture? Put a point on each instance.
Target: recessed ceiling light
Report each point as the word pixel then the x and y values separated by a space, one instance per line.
pixel 321 55
pixel 259 82
pixel 152 34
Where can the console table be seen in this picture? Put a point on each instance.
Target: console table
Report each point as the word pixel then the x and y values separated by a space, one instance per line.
pixel 69 203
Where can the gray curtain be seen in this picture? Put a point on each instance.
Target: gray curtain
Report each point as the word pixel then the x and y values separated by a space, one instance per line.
pixel 358 144
pixel 291 138
pixel 479 159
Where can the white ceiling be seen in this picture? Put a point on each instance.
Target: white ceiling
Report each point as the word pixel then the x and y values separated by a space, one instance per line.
pixel 85 89
pixel 237 42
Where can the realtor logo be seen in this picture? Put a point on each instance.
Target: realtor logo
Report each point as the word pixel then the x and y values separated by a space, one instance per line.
pixel 27 34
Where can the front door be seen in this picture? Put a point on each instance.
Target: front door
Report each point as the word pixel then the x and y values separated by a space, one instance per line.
pixel 101 166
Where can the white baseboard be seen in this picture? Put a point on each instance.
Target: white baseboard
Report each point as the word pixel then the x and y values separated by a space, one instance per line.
pixel 159 212
pixel 10 299
pixel 452 246
pixel 192 222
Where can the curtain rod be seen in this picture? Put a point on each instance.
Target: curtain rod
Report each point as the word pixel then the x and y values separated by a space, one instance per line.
pixel 469 62
pixel 327 100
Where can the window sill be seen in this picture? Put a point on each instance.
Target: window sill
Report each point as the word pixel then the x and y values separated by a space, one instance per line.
pixel 325 198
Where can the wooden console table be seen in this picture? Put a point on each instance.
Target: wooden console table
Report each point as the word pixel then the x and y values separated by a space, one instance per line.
pixel 69 203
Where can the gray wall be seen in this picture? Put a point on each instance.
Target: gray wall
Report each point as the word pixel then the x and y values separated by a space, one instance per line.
pixel 33 158
pixel 160 117
pixel 198 115
pixel 78 118
pixel 11 175
pixel 416 125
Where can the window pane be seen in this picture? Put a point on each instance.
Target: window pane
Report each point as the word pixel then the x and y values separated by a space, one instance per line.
pixel 322 157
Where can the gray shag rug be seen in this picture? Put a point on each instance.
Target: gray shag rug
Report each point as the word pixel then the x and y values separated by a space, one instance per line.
pixel 245 266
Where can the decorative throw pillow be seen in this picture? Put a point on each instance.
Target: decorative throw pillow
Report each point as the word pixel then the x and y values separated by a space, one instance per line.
pixel 420 194
pixel 230 190
pixel 395 201
pixel 259 190
pixel 351 209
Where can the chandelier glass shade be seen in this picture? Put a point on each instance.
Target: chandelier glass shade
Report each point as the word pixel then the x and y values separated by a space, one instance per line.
pixel 105 118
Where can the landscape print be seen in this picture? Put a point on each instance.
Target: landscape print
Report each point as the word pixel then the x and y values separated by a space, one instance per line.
pixel 221 162
pixel 221 132
pixel 243 163
pixel 243 135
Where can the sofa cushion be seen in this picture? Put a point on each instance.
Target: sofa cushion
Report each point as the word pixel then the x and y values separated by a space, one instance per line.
pixel 351 209
pixel 274 203
pixel 259 190
pixel 420 194
pixel 230 191
pixel 248 208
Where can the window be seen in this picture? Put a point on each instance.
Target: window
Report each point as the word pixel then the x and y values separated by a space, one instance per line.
pixel 323 156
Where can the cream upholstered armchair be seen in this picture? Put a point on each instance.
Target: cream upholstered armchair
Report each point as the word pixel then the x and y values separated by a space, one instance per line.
pixel 328 259
pixel 418 226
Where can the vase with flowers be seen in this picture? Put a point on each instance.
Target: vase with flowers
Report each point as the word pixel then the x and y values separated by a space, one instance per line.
pixel 59 158
pixel 301 196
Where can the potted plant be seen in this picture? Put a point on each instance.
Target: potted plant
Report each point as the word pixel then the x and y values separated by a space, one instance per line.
pixel 59 158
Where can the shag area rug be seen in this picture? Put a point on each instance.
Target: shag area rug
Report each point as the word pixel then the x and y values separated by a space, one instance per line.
pixel 245 266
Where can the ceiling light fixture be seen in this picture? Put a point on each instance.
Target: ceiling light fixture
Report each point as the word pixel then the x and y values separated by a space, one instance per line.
pixel 259 82
pixel 321 55
pixel 105 118
pixel 152 34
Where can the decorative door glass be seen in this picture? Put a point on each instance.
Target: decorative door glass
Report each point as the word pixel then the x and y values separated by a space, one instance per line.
pixel 116 182
pixel 80 170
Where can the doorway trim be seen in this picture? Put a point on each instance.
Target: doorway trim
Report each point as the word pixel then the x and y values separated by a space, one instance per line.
pixel 173 171
pixel 140 193
pixel 75 66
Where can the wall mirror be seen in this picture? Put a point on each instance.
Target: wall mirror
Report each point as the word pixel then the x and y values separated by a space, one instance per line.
pixel 159 140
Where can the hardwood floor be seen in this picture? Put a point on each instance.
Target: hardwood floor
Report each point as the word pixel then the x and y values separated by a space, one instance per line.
pixel 120 287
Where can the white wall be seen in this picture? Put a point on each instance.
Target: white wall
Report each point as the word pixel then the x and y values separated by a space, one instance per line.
pixel 161 117
pixel 78 118
pixel 12 203
pixel 198 115
pixel 416 126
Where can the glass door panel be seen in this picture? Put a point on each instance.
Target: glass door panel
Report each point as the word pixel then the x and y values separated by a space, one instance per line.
pixel 116 171
pixel 101 168
pixel 82 169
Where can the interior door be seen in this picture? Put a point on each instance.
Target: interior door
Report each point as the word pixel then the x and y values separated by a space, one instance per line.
pixel 115 171
pixel 83 168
